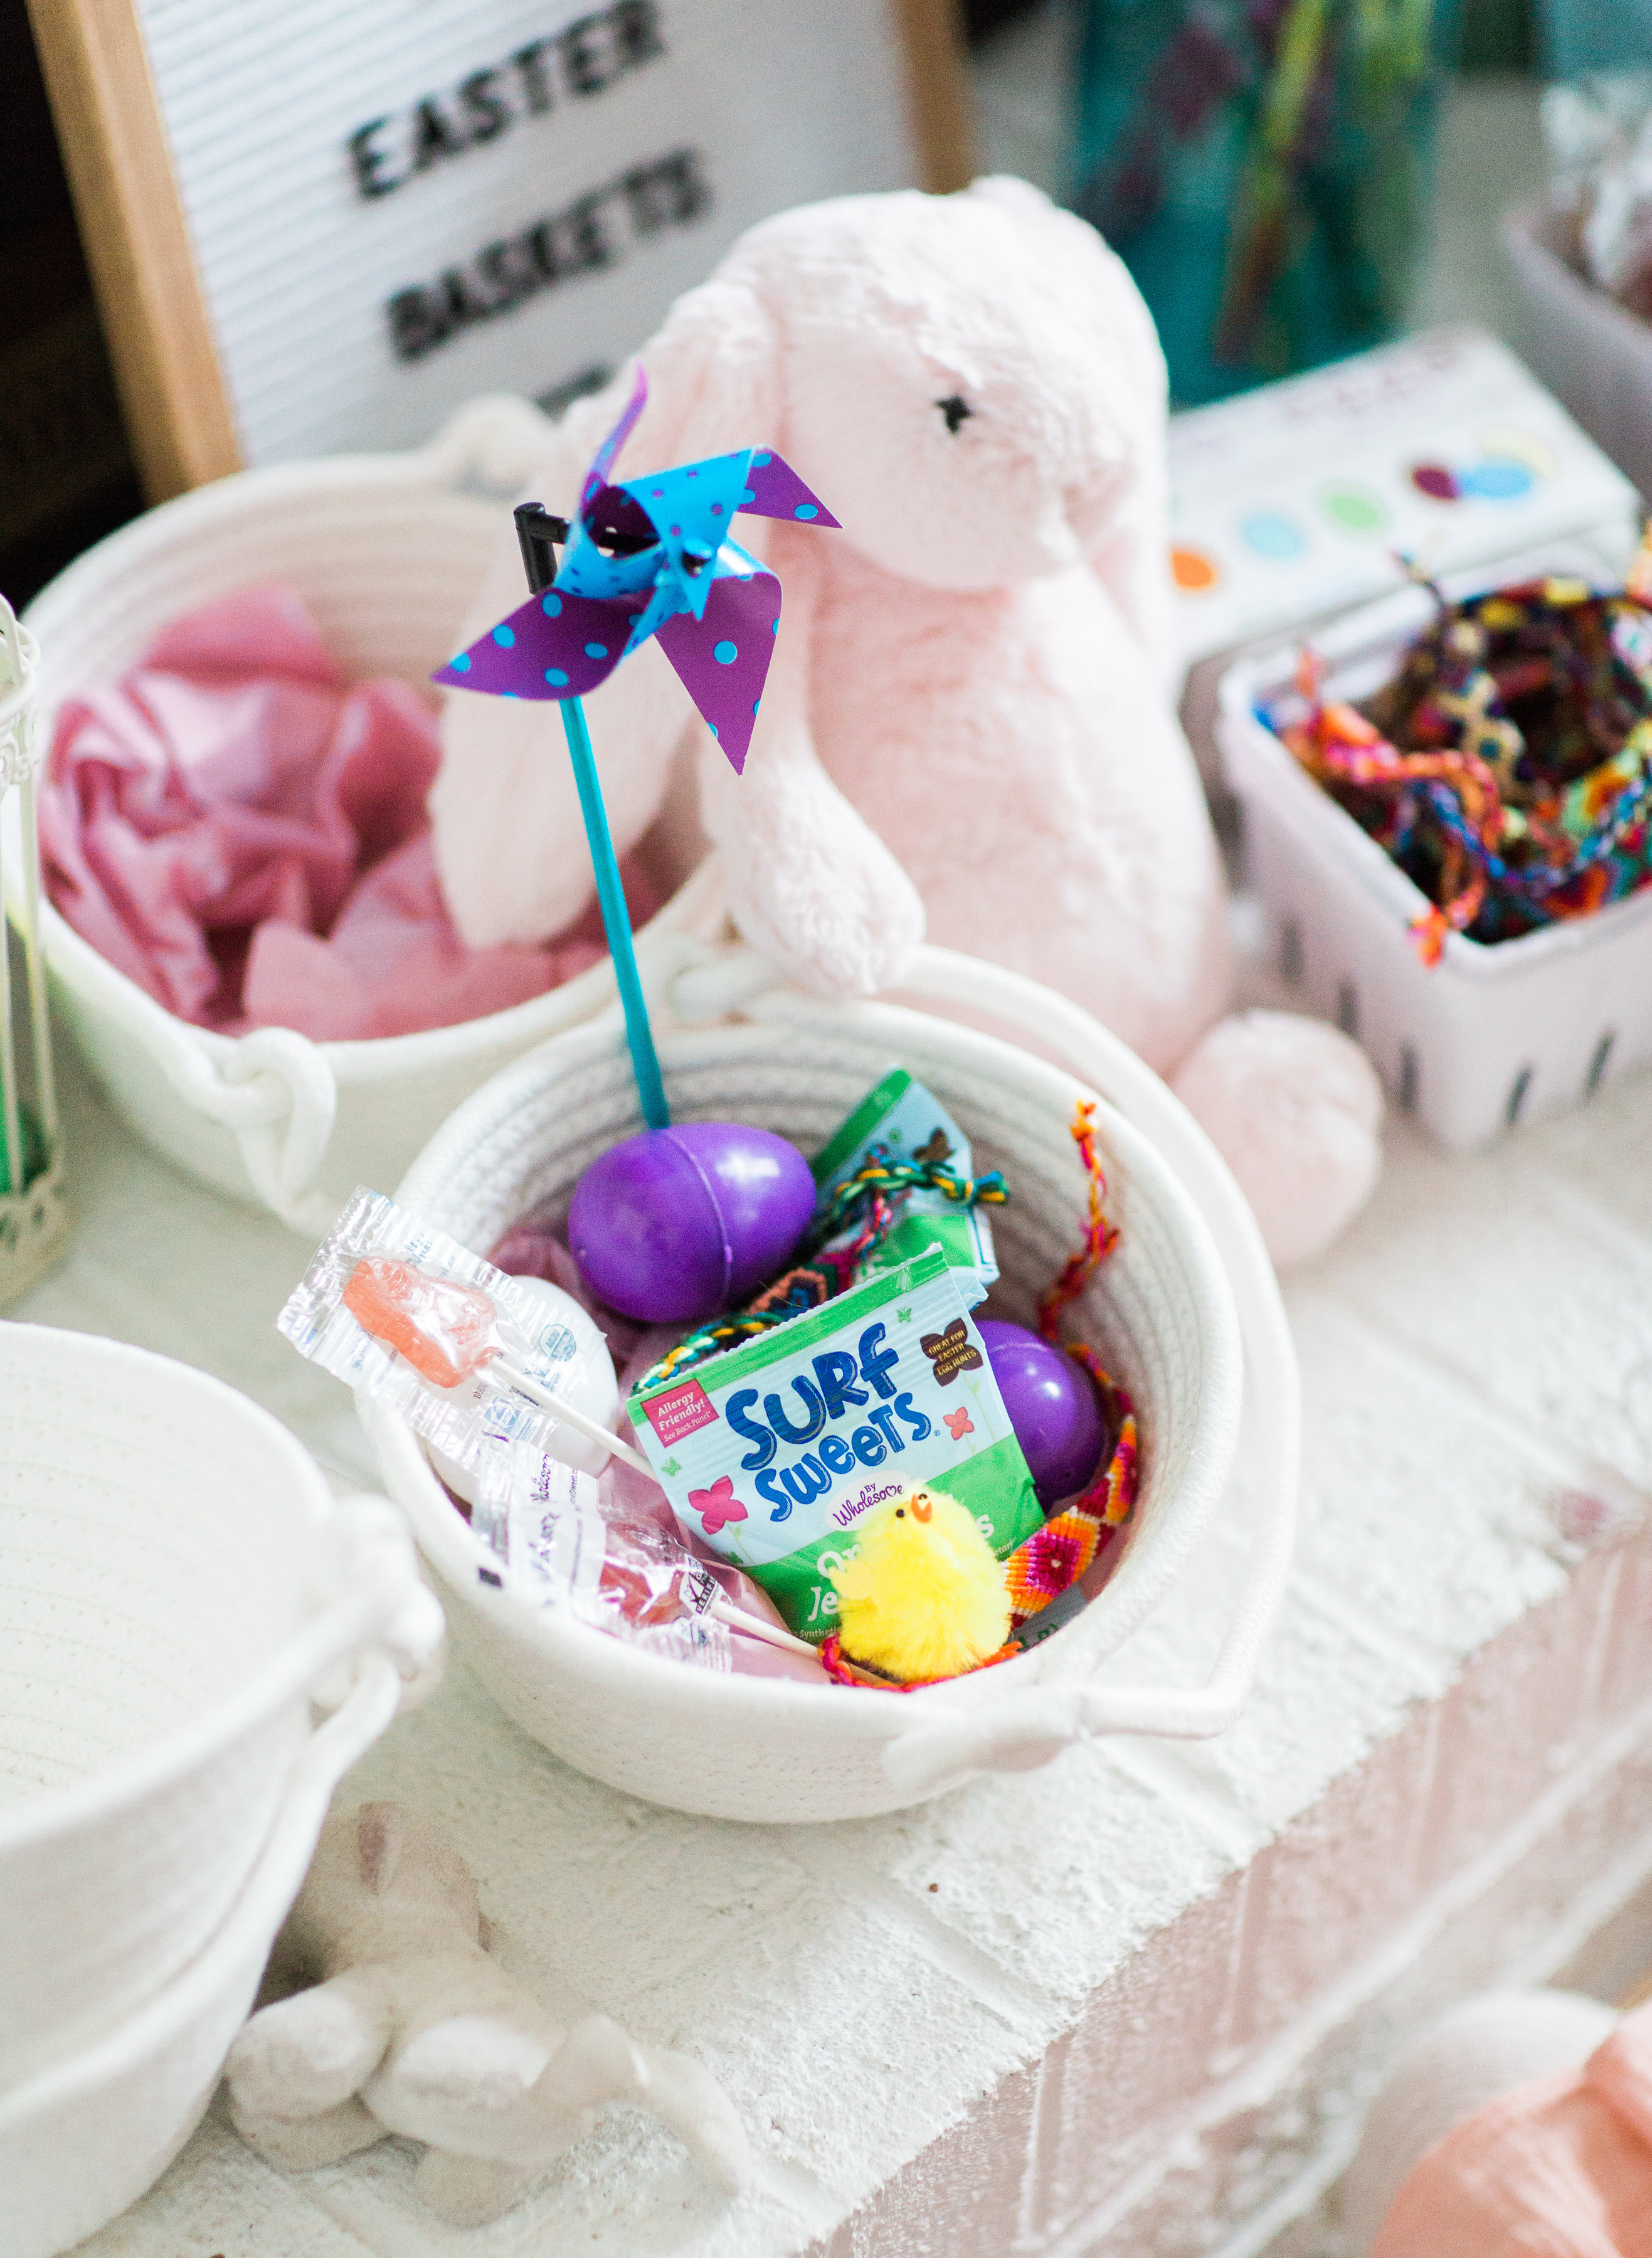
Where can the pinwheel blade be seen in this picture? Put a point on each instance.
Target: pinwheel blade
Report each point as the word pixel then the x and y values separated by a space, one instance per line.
pixel 607 454
pixel 723 659
pixel 555 646
pixel 775 490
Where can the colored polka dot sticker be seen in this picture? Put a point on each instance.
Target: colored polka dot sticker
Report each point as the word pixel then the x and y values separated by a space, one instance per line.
pixel 1498 479
pixel 1193 572
pixel 762 462
pixel 1435 482
pixel 1493 478
pixel 596 651
pixel 554 676
pixel 726 653
pixel 505 638
pixel 551 606
pixel 1269 533
pixel 805 509
pixel 1513 441
pixel 1355 509
pixel 462 664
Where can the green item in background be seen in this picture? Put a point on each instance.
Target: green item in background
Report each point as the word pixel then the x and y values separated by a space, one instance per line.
pixel 1574 36
pixel 35 1156
pixel 1497 35
pixel 1263 167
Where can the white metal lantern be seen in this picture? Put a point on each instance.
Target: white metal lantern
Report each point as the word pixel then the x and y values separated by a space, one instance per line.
pixel 33 1214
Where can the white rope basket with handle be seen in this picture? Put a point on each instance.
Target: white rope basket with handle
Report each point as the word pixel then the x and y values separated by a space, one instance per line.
pixel 182 1592
pixel 1182 1313
pixel 387 551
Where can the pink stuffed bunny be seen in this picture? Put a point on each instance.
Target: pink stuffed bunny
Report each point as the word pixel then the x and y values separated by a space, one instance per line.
pixel 968 731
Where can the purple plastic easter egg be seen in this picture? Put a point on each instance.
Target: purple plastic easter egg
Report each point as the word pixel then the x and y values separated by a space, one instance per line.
pixel 1053 1407
pixel 682 1222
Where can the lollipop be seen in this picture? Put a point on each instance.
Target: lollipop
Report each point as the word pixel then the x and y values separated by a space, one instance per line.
pixel 677 1223
pixel 447 1331
pixel 1053 1407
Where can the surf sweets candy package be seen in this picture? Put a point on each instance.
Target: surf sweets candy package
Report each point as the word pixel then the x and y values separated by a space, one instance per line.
pixel 773 1452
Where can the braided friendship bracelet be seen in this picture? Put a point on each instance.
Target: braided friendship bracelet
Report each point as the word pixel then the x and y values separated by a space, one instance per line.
pixel 880 1179
pixel 1057 1555
pixel 829 1271
pixel 1054 1558
pixel 1503 833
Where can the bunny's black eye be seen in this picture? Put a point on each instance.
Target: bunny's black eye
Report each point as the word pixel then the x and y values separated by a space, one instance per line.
pixel 954 407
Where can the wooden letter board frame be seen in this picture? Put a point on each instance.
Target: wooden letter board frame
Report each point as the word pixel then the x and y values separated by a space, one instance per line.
pixel 157 308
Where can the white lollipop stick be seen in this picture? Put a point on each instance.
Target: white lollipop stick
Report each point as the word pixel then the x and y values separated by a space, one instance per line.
pixel 754 1626
pixel 559 1408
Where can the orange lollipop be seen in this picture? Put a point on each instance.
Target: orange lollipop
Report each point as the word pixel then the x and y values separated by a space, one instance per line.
pixel 446 1331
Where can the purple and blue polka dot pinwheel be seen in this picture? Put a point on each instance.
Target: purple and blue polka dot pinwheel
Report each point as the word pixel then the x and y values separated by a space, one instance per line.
pixel 653 557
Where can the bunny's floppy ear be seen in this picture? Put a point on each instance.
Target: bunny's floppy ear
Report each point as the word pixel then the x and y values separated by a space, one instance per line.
pixel 1128 542
pixel 714 385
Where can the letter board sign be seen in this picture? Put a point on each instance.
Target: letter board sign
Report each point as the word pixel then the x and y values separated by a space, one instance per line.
pixel 318 225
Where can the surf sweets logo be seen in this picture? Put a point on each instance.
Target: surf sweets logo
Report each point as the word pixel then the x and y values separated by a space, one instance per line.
pixel 830 1399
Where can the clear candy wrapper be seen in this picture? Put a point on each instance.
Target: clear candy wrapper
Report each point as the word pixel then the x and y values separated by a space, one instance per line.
pixel 391 1305
pixel 558 1548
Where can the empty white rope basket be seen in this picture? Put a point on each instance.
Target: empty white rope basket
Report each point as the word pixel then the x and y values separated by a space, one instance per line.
pixel 182 1590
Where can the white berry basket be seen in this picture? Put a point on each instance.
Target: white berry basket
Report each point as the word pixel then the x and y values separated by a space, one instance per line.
pixel 179 1588
pixel 1591 352
pixel 1491 1036
pixel 1189 1283
pixel 387 552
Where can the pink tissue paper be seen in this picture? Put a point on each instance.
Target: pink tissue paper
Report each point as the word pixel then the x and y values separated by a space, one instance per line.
pixel 240 831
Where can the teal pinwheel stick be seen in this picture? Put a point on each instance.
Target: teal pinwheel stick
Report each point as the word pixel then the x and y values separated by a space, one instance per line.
pixel 537 531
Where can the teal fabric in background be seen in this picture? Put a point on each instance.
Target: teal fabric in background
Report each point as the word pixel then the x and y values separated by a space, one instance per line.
pixel 1263 168
pixel 1582 35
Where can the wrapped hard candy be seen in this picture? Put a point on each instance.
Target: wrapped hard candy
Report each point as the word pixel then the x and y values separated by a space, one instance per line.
pixel 677 1223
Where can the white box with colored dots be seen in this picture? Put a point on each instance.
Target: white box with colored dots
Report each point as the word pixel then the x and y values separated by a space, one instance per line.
pixel 1289 503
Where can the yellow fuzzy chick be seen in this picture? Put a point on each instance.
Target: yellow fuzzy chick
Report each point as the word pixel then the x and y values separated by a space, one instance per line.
pixel 922 1595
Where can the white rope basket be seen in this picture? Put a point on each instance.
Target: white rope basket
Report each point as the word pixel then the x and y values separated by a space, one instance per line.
pixel 1187 1284
pixel 387 552
pixel 179 1587
pixel 80 2141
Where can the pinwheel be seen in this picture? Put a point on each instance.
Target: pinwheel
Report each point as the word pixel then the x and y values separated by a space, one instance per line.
pixel 646 556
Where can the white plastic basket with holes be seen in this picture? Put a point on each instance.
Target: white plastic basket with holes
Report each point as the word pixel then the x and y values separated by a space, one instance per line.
pixel 387 551
pixel 1489 1036
pixel 1186 1306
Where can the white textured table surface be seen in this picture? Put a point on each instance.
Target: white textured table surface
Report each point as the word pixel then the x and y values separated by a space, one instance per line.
pixel 1030 2013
